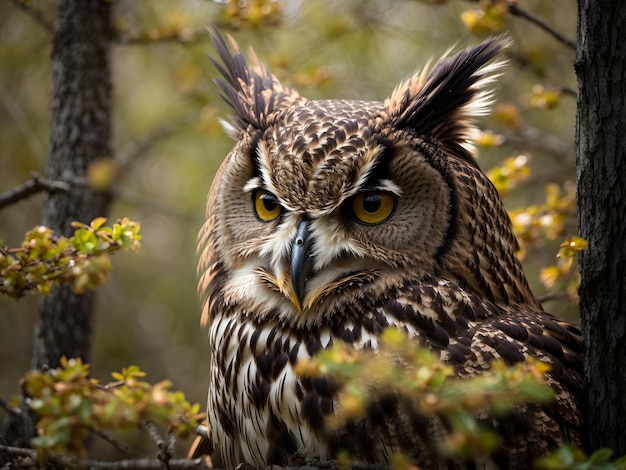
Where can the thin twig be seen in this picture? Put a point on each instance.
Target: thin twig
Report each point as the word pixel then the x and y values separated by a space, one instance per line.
pixel 138 149
pixel 34 14
pixel 119 445
pixel 9 409
pixel 131 464
pixel 17 451
pixel 555 296
pixel 153 433
pixel 156 464
pixel 182 37
pixel 33 186
pixel 517 11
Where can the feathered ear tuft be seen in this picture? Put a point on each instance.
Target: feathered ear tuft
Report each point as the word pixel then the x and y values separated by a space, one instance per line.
pixel 440 103
pixel 253 92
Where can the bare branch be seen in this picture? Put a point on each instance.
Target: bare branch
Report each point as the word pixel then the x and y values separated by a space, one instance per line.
pixel 528 138
pixel 182 37
pixel 174 464
pixel 17 451
pixel 35 14
pixel 35 185
pixel 515 10
pixel 119 445
pixel 132 464
pixel 555 296
pixel 6 406
pixel 138 149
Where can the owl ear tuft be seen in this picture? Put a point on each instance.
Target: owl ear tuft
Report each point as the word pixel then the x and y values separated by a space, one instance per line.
pixel 440 103
pixel 252 91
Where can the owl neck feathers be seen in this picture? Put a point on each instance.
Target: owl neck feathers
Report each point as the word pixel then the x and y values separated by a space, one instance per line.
pixel 438 106
pixel 482 254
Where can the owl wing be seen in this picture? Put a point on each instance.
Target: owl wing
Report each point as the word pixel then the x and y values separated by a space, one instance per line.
pixel 470 334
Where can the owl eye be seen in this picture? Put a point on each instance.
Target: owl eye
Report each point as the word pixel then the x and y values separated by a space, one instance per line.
pixel 265 205
pixel 373 208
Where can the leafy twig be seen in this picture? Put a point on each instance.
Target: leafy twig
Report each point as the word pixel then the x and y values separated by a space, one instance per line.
pixel 45 259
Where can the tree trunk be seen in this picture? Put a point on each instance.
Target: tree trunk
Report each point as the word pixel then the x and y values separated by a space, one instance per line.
pixel 601 174
pixel 80 133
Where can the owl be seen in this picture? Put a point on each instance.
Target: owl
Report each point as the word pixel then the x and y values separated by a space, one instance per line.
pixel 331 220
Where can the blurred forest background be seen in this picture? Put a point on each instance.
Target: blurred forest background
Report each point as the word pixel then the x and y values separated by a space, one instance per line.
pixel 169 142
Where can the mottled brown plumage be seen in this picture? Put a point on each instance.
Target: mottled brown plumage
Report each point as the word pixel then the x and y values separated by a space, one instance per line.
pixel 331 220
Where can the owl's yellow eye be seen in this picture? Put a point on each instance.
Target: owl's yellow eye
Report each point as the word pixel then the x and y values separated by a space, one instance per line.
pixel 265 205
pixel 374 207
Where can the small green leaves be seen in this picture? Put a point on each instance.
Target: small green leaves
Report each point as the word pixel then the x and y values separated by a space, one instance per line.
pixel 69 404
pixel 45 259
pixel 570 458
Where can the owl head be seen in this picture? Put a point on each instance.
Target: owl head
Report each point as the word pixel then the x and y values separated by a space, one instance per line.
pixel 321 203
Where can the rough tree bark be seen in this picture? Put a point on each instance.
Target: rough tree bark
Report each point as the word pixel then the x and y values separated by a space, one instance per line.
pixel 80 132
pixel 601 172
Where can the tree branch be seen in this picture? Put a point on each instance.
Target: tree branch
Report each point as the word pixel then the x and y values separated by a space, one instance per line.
pixel 515 10
pixel 182 37
pixel 138 149
pixel 554 296
pixel 6 406
pixel 35 185
pixel 34 14
pixel 156 464
pixel 131 464
pixel 119 445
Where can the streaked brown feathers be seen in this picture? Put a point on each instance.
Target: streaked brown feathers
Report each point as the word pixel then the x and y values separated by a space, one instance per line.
pixel 371 214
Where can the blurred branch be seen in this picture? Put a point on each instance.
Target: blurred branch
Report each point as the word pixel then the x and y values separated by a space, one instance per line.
pixel 181 37
pixel 35 14
pixel 156 464
pixel 131 464
pixel 151 204
pixel 554 296
pixel 119 445
pixel 138 149
pixel 529 138
pixel 6 406
pixel 35 185
pixel 31 138
pixel 166 446
pixel 515 10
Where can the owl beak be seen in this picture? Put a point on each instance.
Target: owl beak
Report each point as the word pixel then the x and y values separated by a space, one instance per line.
pixel 301 262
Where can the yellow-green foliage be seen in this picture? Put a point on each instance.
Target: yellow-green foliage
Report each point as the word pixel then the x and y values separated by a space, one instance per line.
pixel 69 405
pixel 401 366
pixel 45 259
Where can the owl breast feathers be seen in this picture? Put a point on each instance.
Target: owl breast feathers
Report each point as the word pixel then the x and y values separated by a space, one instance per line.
pixel 331 220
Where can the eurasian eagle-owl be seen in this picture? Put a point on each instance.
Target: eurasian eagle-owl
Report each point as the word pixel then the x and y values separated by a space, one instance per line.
pixel 333 219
